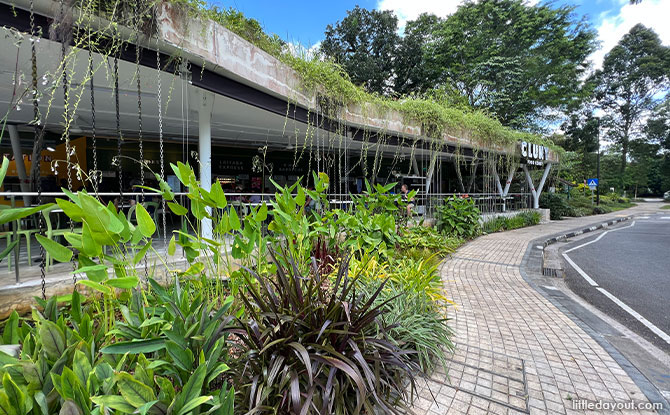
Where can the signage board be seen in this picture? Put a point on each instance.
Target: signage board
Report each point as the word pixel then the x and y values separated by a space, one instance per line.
pixel 534 154
pixel 592 183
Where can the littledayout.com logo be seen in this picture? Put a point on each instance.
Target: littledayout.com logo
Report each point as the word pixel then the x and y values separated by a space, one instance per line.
pixel 600 405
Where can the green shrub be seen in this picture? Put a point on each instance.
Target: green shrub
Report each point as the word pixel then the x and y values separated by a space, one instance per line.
pixel 167 353
pixel 316 344
pixel 521 220
pixel 413 302
pixel 422 241
pixel 557 205
pixel 417 325
pixel 458 217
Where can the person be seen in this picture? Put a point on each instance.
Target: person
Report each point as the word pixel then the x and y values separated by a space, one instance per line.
pixel 310 204
pixel 404 191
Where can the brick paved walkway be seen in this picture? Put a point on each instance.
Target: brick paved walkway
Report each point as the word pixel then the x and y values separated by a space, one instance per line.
pixel 516 352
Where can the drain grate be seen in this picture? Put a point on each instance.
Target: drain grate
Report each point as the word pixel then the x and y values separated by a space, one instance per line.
pixel 496 377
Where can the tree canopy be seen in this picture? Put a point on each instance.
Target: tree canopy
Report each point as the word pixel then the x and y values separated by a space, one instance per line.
pixel 634 78
pixel 365 43
pixel 518 62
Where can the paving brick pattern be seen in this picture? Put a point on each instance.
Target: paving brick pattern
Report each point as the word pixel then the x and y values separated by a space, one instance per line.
pixel 501 323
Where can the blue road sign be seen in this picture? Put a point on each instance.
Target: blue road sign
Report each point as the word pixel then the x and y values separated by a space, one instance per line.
pixel 592 182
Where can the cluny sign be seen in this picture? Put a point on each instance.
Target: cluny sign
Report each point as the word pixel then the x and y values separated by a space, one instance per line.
pixel 534 154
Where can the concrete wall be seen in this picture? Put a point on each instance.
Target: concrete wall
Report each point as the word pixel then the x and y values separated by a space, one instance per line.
pixel 223 51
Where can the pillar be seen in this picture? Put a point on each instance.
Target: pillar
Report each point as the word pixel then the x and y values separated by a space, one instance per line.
pixel 537 192
pixel 501 191
pixel 205 152
pixel 18 159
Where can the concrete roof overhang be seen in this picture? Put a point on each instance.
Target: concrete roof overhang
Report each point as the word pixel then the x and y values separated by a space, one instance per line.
pixel 258 99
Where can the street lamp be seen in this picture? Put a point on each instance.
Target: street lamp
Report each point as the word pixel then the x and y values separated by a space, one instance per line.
pixel 598 165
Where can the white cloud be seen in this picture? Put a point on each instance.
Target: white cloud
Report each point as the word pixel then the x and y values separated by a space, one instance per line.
pixel 300 50
pixel 410 10
pixel 651 13
pixel 407 10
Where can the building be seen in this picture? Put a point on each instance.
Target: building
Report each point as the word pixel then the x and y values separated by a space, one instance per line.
pixel 184 88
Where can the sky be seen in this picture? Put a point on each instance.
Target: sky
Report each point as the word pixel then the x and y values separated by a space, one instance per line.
pixel 304 22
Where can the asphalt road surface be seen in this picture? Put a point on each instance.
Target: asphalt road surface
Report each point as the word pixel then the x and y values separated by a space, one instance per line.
pixel 632 264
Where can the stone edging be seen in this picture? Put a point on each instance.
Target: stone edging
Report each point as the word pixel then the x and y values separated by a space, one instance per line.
pixel 572 234
pixel 552 271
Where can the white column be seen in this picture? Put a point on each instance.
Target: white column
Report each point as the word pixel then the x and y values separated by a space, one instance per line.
pixel 501 191
pixel 541 185
pixel 205 151
pixel 18 159
pixel 537 192
pixel 429 177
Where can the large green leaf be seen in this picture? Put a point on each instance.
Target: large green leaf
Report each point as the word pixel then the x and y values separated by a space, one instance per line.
pixel 104 225
pixel 56 250
pixel 41 401
pixel 191 389
pixel 10 215
pixel 53 339
pixel 172 246
pixel 124 283
pixel 16 396
pixel 89 244
pixel 3 169
pixel 96 286
pixel 94 271
pixel 218 196
pixel 177 209
pixel 6 407
pixel 141 253
pixel 81 366
pixel 183 358
pixel 11 333
pixel 134 391
pixel 194 403
pixel 262 213
pixel 234 220
pixel 115 402
pixel 135 346
pixel 144 221
pixel 8 250
pixel 72 211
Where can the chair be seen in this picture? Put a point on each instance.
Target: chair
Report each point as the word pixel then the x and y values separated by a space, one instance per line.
pixel 9 235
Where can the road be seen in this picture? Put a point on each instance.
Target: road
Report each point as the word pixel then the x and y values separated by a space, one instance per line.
pixel 626 274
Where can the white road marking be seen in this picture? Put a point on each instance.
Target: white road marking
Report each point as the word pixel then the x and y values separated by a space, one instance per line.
pixel 580 271
pixel 576 267
pixel 665 217
pixel 548 287
pixel 599 237
pixel 660 333
pixel 643 217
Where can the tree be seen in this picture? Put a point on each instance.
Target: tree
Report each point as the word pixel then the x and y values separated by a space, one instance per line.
pixel 518 61
pixel 633 78
pixel 364 43
pixel 657 128
pixel 413 69
pixel 580 136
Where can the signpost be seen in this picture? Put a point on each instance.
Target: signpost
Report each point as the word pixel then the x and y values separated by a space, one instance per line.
pixel 593 184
